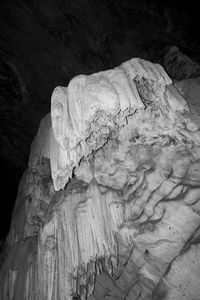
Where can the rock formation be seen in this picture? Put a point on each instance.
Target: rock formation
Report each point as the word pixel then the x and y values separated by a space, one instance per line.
pixel 109 205
pixel 45 43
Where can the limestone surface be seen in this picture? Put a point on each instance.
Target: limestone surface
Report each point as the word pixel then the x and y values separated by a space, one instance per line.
pixel 109 205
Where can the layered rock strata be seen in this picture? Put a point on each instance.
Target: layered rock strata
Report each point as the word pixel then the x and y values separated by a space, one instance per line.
pixel 110 200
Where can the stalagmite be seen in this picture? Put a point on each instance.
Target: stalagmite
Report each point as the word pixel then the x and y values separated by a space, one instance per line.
pixel 110 199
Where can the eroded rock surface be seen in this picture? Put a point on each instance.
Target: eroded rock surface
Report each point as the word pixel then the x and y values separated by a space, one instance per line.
pixel 111 196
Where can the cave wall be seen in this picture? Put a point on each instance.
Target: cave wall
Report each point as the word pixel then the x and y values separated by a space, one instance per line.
pixel 46 43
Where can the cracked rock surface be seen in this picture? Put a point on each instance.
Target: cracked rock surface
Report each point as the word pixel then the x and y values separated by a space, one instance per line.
pixel 109 205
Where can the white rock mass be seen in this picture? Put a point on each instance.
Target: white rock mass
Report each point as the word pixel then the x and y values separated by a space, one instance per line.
pixel 109 205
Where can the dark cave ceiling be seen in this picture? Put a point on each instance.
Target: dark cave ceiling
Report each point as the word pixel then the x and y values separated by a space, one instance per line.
pixel 44 43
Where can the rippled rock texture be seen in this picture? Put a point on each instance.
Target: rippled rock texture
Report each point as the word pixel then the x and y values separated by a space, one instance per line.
pixel 109 205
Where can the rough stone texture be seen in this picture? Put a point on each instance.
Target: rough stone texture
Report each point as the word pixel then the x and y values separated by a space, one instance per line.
pixel 183 278
pixel 109 204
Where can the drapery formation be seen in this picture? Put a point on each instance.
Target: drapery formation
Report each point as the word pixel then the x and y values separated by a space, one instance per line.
pixel 111 195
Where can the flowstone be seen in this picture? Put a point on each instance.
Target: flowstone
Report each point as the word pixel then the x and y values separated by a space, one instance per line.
pixel 110 200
